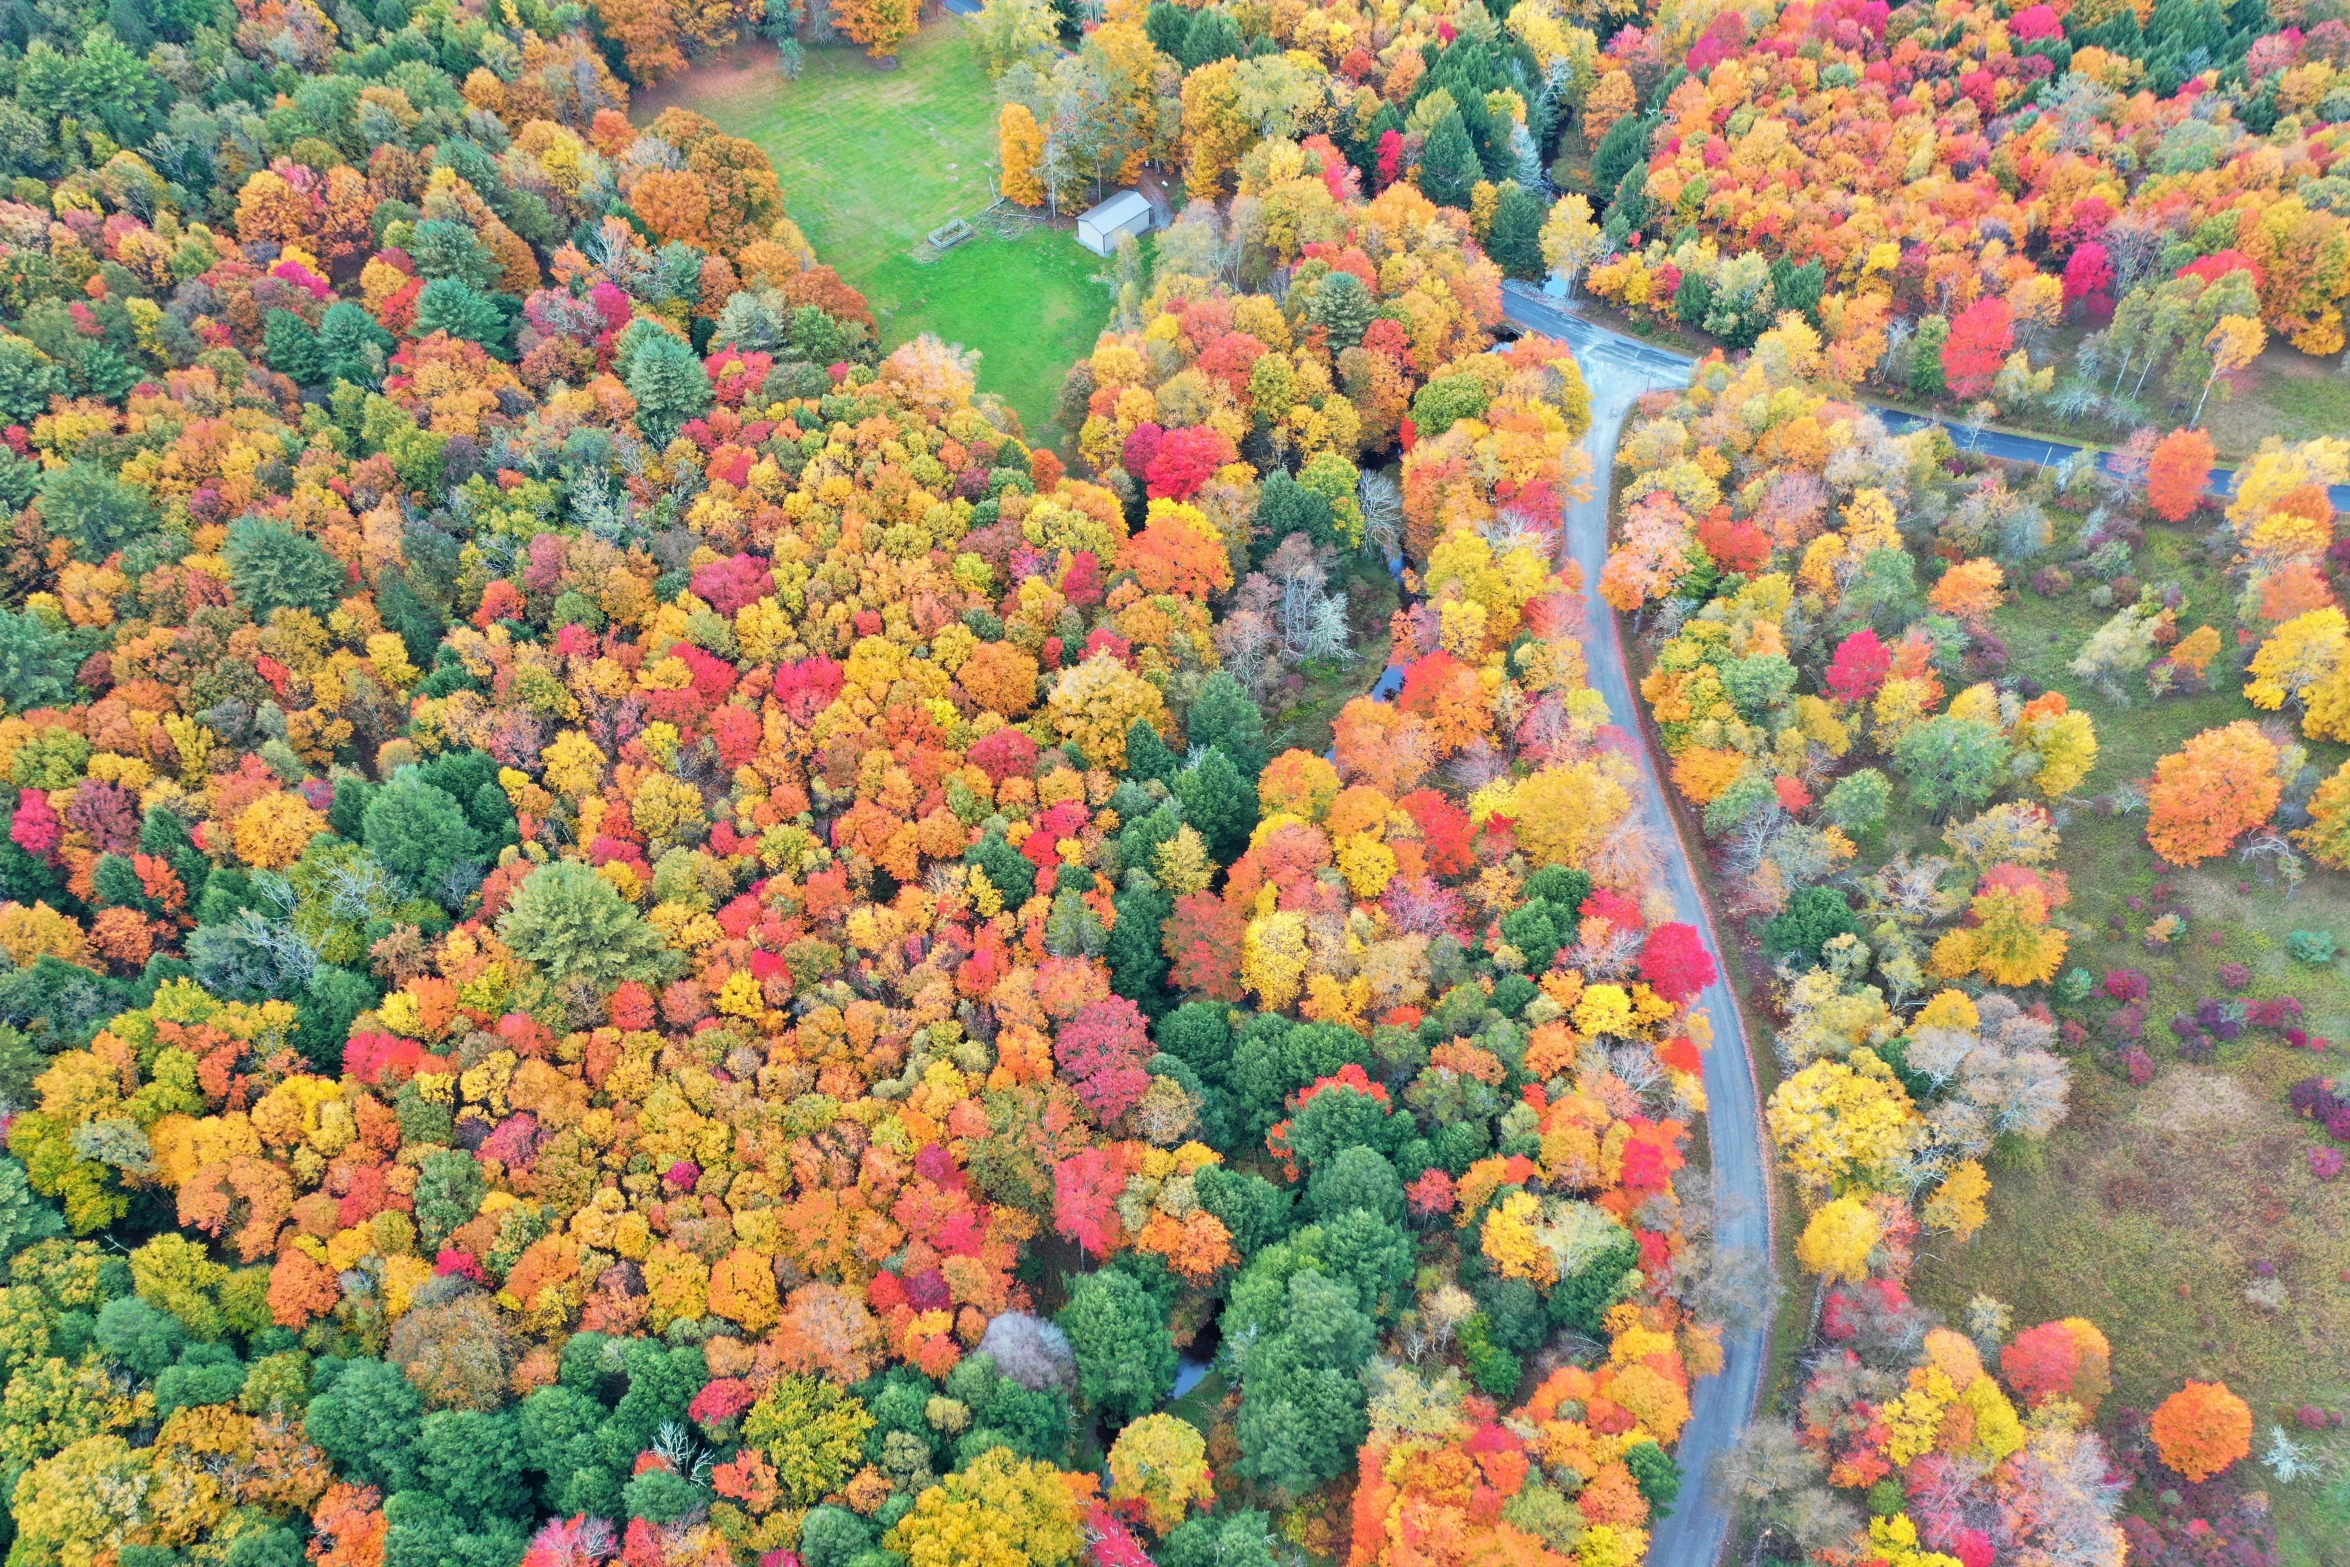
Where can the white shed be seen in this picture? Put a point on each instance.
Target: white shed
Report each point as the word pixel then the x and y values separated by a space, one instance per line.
pixel 1125 213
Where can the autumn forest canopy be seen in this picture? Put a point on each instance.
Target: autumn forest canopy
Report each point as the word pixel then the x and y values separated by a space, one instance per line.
pixel 638 928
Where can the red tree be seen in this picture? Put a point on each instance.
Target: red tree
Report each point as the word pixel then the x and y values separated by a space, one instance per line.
pixel 2178 473
pixel 730 585
pixel 2219 264
pixel 808 687
pixel 1186 459
pixel 2088 279
pixel 1202 941
pixel 1143 445
pixel 1861 663
pixel 1086 1188
pixel 2063 1359
pixel 1005 753
pixel 1447 835
pixel 1101 1051
pixel 1734 546
pixel 1675 962
pixel 1979 343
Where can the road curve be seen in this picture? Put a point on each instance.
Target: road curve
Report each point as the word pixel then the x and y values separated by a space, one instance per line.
pixel 1618 370
pixel 1527 306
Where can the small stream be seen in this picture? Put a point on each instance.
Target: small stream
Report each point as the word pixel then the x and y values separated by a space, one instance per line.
pixel 1189 1373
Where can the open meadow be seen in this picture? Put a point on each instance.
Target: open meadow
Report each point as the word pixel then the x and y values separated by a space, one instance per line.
pixel 872 160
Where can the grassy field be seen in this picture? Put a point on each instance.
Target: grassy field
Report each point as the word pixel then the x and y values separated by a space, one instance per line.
pixel 2287 394
pixel 2153 1210
pixel 873 160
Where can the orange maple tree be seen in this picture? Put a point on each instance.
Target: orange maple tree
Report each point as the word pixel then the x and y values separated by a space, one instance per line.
pixel 2178 473
pixel 2202 1429
pixel 2218 786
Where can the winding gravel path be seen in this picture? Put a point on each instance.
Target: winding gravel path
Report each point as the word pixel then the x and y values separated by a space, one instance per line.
pixel 1618 369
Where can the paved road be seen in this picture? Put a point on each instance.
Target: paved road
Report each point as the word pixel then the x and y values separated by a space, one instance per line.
pixel 1528 307
pixel 1618 370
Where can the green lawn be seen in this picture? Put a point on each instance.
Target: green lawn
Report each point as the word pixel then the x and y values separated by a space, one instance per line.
pixel 871 161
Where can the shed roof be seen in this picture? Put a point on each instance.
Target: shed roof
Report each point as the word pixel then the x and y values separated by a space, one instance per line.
pixel 1118 211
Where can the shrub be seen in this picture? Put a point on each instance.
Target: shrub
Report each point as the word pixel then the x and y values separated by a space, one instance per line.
pixel 2311 946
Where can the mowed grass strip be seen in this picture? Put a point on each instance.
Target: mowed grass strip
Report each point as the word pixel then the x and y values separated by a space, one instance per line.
pixel 871 161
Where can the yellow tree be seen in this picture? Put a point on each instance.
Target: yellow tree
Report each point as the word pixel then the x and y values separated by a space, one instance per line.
pixel 2011 941
pixel 2060 742
pixel 1838 1239
pixel 2306 661
pixel 2279 507
pixel 1003 1511
pixel 1969 591
pixel 2233 344
pixel 2304 261
pixel 1840 1123
pixel 1612 97
pixel 1216 128
pixel 2037 298
pixel 1161 1461
pixel 2327 837
pixel 1273 958
pixel 273 831
pixel 1020 147
pixel 1009 31
pixel 1570 240
pixel 1957 1204
pixel 1563 813
pixel 1097 702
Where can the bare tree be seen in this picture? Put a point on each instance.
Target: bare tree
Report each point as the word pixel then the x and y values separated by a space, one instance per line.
pixel 1783 1485
pixel 1381 499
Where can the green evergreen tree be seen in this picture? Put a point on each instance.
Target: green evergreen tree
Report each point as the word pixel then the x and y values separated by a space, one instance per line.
pixel 1449 169
pixel 458 308
pixel 291 348
pixel 1693 301
pixel 28 379
pixel 1125 1353
pixel 1147 755
pixel 1515 240
pixel 37 662
pixel 1220 803
pixel 418 832
pixel 1926 377
pixel 354 346
pixel 1166 26
pixel 1213 35
pixel 669 384
pixel 1225 716
pixel 1138 961
pixel 97 512
pixel 569 921
pixel 368 1419
pixel 272 568
pixel 443 248
pixel 1344 309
